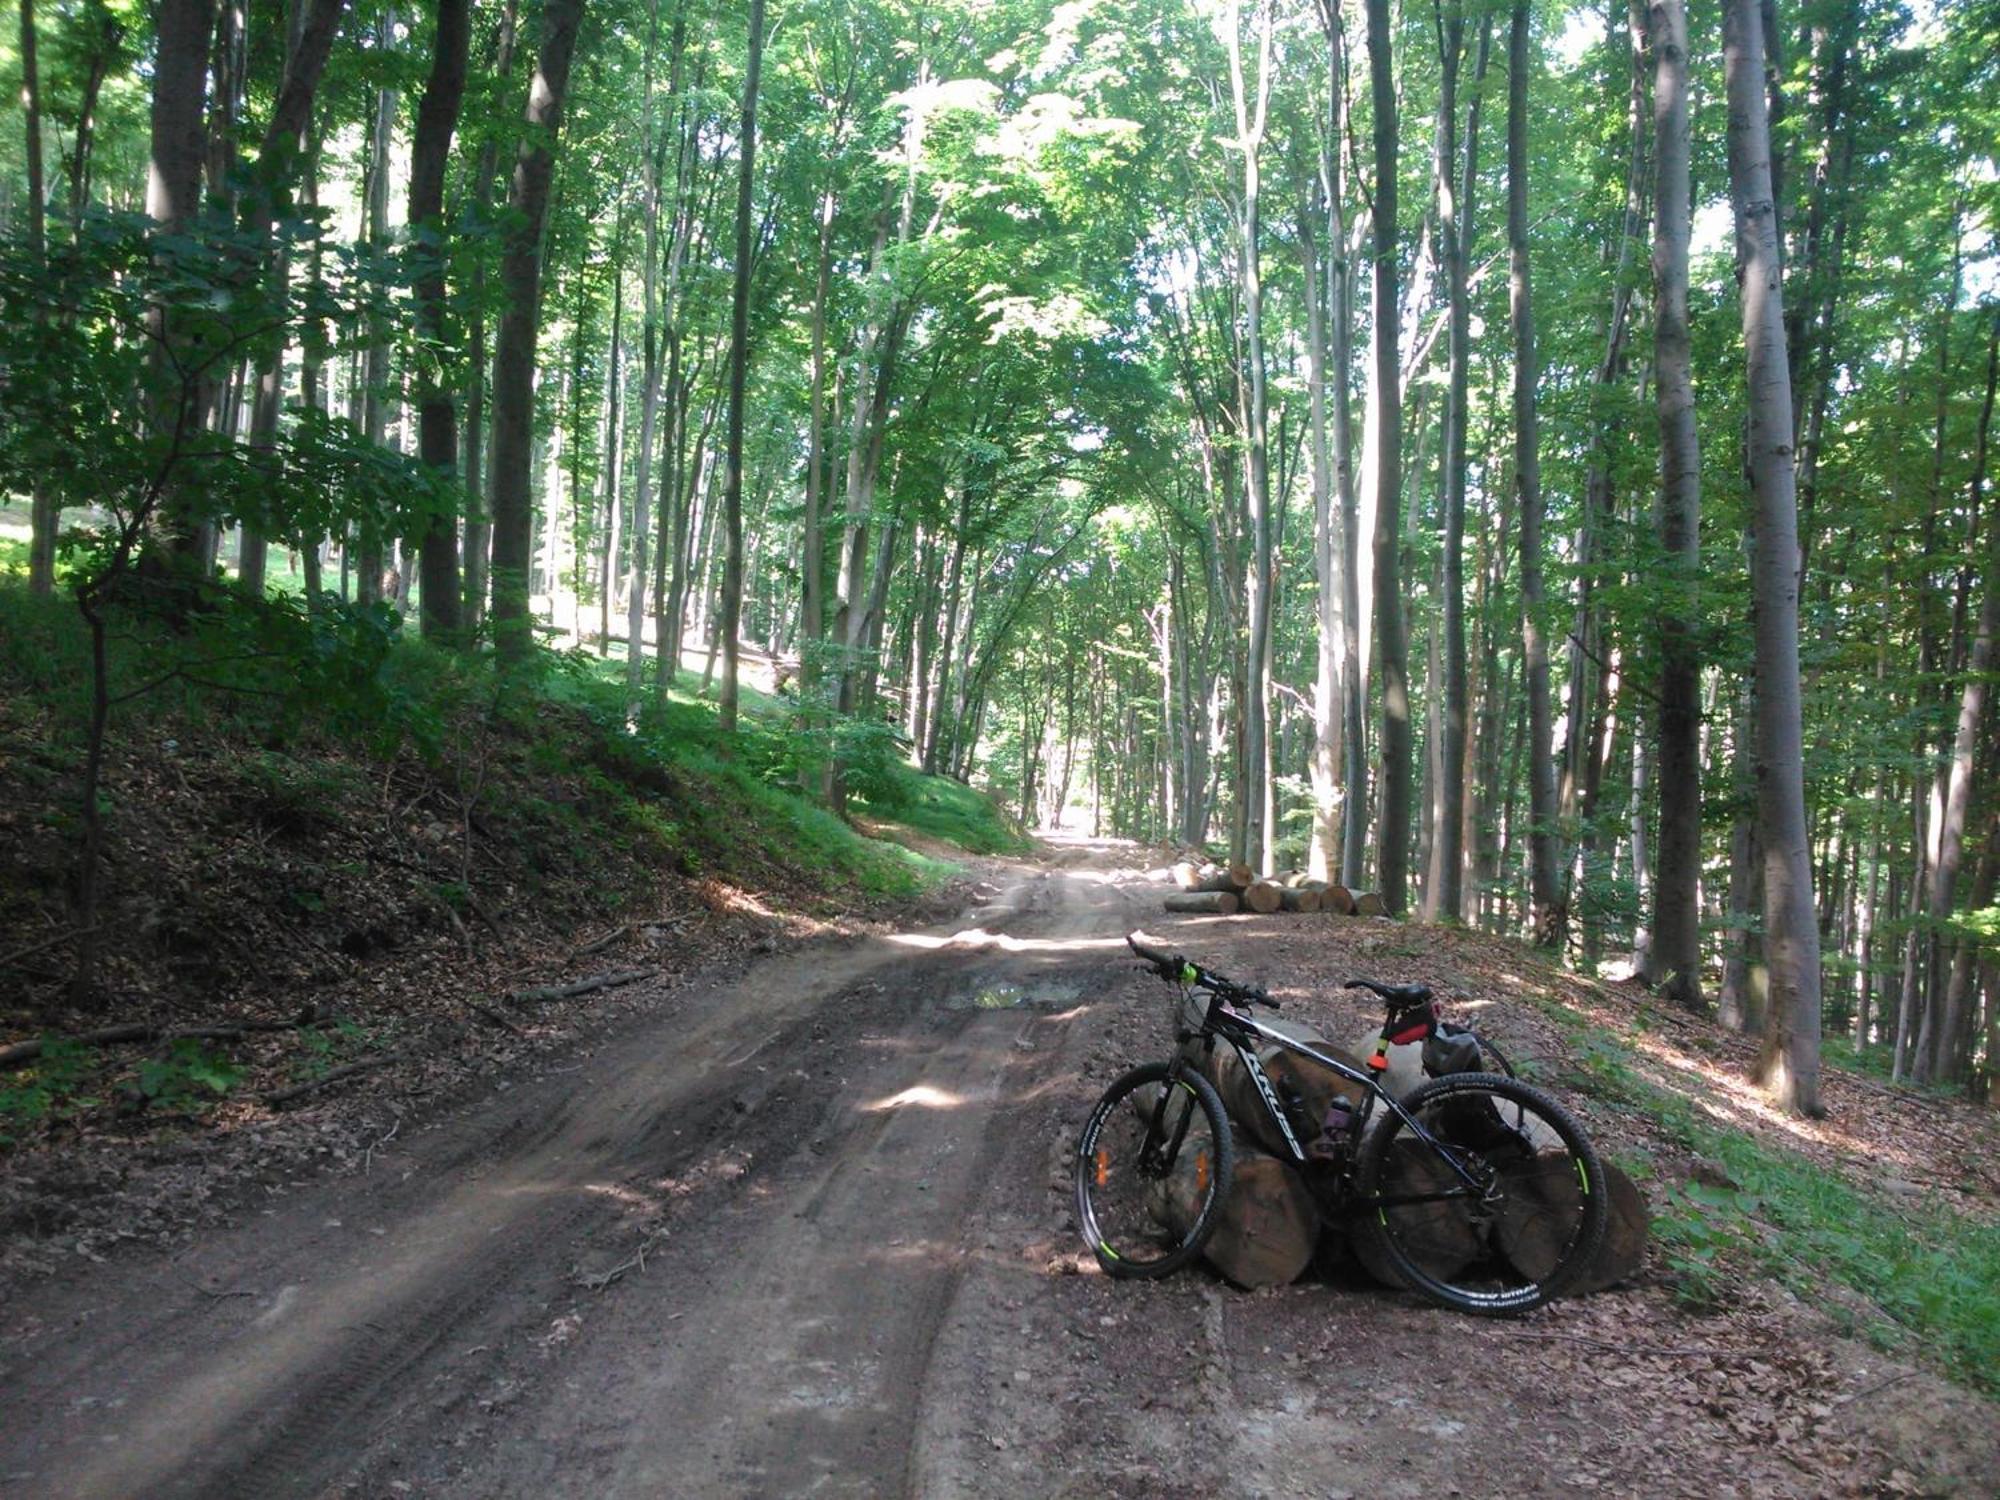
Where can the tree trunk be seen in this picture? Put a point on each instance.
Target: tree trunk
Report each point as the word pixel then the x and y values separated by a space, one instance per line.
pixel 103 51
pixel 437 419
pixel 1944 985
pixel 1329 545
pixel 1673 962
pixel 614 444
pixel 1550 921
pixel 173 183
pixel 1386 443
pixel 514 351
pixel 739 360
pixel 45 512
pixel 478 516
pixel 369 554
pixel 307 46
pixel 1445 890
pixel 1790 1063
pixel 1257 690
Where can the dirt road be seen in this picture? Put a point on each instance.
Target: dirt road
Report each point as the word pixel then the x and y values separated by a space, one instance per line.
pixel 713 1259
pixel 806 1233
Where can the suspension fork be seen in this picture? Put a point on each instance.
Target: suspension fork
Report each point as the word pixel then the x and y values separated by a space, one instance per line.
pixel 1172 1151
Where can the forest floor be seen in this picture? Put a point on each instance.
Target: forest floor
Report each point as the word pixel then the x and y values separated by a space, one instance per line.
pixel 800 1224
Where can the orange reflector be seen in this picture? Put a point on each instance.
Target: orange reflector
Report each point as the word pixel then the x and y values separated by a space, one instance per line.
pixel 1201 1171
pixel 1103 1166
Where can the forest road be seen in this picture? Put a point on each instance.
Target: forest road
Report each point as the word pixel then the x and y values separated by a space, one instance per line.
pixel 712 1258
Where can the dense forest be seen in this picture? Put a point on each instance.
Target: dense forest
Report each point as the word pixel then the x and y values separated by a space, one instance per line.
pixel 1529 461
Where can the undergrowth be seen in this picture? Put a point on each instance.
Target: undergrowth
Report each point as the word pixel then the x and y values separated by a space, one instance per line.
pixel 359 785
pixel 1919 1277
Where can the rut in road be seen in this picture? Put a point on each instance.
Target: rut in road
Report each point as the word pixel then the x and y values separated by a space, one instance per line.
pixel 798 1152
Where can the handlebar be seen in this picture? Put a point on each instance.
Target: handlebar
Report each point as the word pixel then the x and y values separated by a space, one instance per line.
pixel 1179 970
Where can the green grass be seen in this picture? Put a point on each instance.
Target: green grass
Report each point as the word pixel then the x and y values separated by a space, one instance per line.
pixel 1927 1278
pixel 672 791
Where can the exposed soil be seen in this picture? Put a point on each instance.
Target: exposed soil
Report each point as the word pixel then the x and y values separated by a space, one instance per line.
pixel 806 1230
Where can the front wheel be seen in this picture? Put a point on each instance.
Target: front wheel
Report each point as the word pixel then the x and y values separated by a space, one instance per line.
pixel 1152 1171
pixel 1494 1204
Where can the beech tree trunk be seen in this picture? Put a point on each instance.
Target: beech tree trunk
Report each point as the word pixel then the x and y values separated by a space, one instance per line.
pixel 45 517
pixel 1444 891
pixel 1386 442
pixel 437 418
pixel 1250 113
pixel 1947 988
pixel 369 553
pixel 1673 958
pixel 1550 922
pixel 739 360
pixel 1790 1066
pixel 514 351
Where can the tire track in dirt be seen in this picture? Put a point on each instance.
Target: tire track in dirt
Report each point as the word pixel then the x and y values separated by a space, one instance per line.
pixel 813 1195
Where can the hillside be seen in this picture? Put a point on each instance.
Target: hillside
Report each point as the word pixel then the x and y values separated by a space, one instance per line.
pixel 378 859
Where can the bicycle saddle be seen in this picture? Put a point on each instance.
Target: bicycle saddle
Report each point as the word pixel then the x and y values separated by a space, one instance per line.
pixel 1400 996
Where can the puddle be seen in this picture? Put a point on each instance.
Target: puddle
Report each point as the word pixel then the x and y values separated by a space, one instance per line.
pixel 1049 996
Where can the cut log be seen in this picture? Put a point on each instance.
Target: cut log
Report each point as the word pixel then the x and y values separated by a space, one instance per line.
pixel 1291 1077
pixel 1223 903
pixel 1439 1236
pixel 1338 900
pixel 1187 875
pixel 1263 897
pixel 1369 904
pixel 1542 1205
pixel 1241 874
pixel 1214 878
pixel 1625 1235
pixel 1298 900
pixel 1269 1225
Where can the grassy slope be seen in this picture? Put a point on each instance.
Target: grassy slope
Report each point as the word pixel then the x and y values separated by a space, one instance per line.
pixel 278 829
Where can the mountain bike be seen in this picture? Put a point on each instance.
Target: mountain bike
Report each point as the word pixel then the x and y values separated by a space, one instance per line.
pixel 1481 1192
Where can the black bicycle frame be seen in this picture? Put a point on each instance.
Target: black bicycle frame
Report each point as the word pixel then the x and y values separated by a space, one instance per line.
pixel 1237 1029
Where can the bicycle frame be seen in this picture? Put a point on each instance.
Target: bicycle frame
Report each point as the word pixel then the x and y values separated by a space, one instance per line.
pixel 1239 1029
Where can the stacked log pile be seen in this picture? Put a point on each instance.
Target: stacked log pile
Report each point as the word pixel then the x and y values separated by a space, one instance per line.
pixel 1272 1228
pixel 1206 888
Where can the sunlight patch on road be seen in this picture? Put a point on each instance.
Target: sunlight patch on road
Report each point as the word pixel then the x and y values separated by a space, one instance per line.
pixel 974 938
pixel 922 1095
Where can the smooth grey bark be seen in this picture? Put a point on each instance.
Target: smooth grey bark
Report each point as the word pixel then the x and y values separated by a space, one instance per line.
pixel 514 350
pixel 739 361
pixel 1386 444
pixel 1790 1064
pixel 614 442
pixel 45 515
pixel 1550 921
pixel 1947 988
pixel 1673 961
pixel 477 546
pixel 437 417
pixel 650 339
pixel 1329 549
pixel 368 552
pixel 307 45
pixel 1255 708
pixel 107 33
pixel 1444 890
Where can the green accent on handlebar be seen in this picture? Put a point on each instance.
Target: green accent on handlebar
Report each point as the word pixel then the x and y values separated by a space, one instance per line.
pixel 1189 973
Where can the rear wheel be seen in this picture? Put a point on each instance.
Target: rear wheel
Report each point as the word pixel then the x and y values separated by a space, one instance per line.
pixel 1496 1206
pixel 1152 1171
